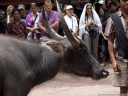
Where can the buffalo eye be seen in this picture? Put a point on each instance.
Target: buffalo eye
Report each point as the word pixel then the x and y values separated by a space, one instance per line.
pixel 83 50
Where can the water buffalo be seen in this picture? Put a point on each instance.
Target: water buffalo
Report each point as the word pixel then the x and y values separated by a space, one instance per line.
pixel 76 57
pixel 25 64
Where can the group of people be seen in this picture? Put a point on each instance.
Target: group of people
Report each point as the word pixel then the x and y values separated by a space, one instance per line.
pixel 30 26
pixel 91 26
pixel 97 27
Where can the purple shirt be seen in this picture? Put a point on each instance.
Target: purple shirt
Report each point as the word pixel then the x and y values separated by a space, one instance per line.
pixel 32 22
pixel 52 18
pixel 29 19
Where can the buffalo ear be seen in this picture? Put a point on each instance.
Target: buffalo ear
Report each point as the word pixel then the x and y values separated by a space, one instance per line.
pixel 55 46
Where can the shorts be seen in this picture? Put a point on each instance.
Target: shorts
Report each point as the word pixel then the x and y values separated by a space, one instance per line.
pixel 120 79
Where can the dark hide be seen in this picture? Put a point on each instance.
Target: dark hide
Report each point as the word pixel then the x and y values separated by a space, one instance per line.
pixel 24 65
pixel 77 60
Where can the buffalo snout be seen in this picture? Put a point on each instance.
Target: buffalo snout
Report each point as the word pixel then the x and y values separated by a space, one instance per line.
pixel 105 73
pixel 100 74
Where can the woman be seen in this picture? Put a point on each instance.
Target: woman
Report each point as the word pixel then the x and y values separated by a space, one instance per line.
pixel 9 16
pixel 32 20
pixel 88 20
pixel 16 27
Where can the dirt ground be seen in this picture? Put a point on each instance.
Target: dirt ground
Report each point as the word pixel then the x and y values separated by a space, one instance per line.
pixel 71 85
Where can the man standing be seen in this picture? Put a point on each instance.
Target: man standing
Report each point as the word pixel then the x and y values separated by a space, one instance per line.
pixel 117 35
pixel 71 20
pixel 22 11
pixel 52 17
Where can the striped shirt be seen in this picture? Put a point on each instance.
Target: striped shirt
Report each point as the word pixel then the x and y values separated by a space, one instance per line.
pixel 110 32
pixel 19 30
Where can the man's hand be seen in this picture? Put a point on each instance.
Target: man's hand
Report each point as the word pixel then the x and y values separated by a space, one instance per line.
pixel 116 67
pixel 103 36
pixel 74 34
pixel 33 29
pixel 43 29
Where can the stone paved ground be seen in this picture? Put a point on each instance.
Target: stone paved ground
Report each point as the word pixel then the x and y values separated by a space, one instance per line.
pixel 70 85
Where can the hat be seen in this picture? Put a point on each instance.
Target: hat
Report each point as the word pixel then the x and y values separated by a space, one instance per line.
pixel 33 4
pixel 69 7
pixel 101 1
pixel 21 6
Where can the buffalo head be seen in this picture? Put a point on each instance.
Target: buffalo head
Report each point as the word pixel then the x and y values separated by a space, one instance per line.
pixel 76 56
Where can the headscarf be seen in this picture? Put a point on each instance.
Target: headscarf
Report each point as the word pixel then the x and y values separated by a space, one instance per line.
pixel 82 21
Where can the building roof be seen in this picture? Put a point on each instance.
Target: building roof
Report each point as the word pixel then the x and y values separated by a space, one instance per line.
pixel 17 2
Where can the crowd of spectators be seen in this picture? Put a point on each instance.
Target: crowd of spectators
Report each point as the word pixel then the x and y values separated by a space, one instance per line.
pixel 28 23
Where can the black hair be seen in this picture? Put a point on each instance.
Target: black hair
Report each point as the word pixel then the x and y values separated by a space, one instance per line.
pixel 113 3
pixel 98 11
pixel 87 14
pixel 118 1
pixel 14 10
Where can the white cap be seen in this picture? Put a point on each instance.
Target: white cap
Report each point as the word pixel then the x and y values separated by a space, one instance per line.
pixel 21 6
pixel 69 7
pixel 101 1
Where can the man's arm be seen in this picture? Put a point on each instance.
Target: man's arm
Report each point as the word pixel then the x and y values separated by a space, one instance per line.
pixel 55 24
pixel 115 66
pixel 111 50
pixel 41 27
pixel 75 31
pixel 110 38
pixel 57 20
pixel 76 26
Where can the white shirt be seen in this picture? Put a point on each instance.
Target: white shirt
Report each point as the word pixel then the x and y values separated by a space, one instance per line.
pixel 8 19
pixel 71 22
pixel 37 20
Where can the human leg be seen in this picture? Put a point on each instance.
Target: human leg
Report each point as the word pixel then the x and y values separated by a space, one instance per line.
pixel 94 46
pixel 104 52
pixel 86 39
pixel 123 90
